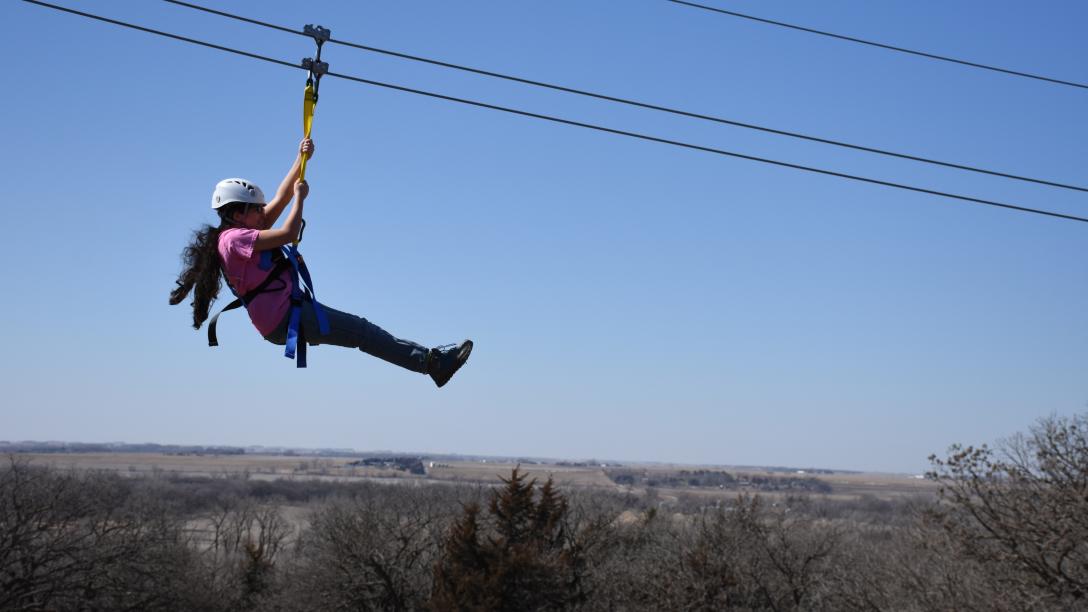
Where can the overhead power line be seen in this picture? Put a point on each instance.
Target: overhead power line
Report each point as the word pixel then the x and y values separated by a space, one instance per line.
pixel 871 43
pixel 645 105
pixel 577 123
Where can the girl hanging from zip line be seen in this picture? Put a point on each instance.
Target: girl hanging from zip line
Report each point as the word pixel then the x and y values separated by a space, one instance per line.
pixel 246 249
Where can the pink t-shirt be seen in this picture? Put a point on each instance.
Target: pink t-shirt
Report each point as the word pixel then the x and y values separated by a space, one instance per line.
pixel 244 271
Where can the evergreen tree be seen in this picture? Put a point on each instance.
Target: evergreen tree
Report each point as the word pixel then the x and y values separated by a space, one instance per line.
pixel 523 563
pixel 461 577
pixel 513 510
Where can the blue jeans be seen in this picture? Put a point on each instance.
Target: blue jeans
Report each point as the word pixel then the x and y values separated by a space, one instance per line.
pixel 355 332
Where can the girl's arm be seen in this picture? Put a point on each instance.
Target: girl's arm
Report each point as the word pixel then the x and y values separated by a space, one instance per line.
pixel 283 195
pixel 275 238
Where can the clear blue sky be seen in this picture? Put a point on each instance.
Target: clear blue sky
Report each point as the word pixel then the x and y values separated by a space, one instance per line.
pixel 628 300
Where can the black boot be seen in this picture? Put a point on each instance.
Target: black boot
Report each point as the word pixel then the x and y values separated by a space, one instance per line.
pixel 444 361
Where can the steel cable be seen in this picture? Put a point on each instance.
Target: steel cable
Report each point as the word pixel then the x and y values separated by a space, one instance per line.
pixel 880 45
pixel 577 123
pixel 646 105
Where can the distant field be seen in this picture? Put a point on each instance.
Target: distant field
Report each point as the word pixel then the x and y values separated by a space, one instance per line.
pixel 272 467
pixel 491 472
pixel 256 466
pixel 880 485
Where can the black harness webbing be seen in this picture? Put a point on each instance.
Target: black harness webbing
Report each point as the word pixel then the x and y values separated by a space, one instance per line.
pixel 279 268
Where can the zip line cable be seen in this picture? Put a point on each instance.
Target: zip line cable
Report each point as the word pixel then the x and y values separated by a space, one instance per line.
pixel 881 45
pixel 646 105
pixel 707 149
pixel 578 123
pixel 161 33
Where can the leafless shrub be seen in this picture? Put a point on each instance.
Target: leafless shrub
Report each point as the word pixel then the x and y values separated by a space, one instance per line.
pixel 238 549
pixel 372 552
pixel 743 556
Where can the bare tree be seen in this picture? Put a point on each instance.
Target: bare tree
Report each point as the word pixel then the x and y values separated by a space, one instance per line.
pixel 82 541
pixel 239 554
pixel 1021 509
pixel 372 552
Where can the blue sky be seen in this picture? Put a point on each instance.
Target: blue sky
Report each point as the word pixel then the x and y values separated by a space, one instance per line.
pixel 628 300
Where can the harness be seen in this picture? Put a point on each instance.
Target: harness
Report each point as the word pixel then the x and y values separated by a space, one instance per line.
pixel 302 290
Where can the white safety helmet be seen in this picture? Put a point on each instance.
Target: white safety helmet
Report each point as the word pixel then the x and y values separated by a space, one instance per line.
pixel 233 190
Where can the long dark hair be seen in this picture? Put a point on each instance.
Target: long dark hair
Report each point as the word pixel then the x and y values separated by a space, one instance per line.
pixel 200 267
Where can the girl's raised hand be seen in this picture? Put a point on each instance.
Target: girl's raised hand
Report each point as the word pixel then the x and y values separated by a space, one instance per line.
pixel 306 147
pixel 302 189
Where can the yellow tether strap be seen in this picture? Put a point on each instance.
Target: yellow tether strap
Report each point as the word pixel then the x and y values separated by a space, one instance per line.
pixel 308 103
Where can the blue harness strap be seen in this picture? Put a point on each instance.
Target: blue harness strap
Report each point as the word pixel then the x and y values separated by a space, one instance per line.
pixel 302 290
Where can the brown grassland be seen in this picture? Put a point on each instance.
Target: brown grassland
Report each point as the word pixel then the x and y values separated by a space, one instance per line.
pixel 844 485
